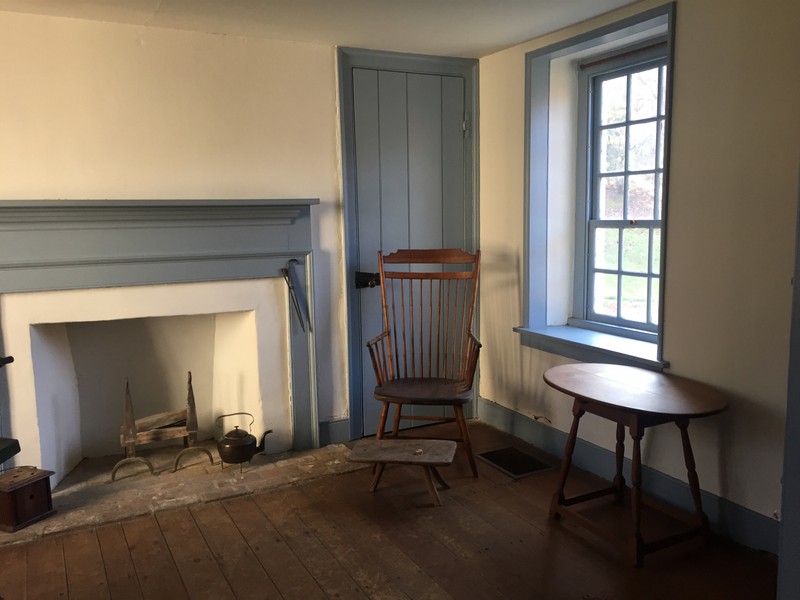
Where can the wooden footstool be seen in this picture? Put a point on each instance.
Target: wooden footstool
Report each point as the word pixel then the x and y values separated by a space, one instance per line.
pixel 427 454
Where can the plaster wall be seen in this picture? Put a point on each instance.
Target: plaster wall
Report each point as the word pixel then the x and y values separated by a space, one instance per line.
pixel 731 214
pixel 93 110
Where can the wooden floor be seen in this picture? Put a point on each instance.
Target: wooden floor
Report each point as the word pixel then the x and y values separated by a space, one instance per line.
pixel 331 538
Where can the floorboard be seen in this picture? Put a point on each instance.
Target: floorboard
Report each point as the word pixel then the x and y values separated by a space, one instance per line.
pixel 86 575
pixel 123 583
pixel 155 569
pixel 198 567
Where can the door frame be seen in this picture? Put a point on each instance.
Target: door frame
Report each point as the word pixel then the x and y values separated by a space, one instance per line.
pixel 349 58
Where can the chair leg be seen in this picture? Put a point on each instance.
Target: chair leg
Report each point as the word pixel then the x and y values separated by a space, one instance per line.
pixel 397 416
pixel 382 422
pixel 462 425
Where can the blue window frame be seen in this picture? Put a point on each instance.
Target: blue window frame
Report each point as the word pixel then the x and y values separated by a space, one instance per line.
pixel 613 309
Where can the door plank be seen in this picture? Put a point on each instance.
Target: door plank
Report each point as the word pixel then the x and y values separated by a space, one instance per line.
pixel 13 572
pixel 46 576
pixel 324 566
pixel 287 572
pixel 123 584
pixel 425 200
pixel 241 568
pixel 86 575
pixel 393 124
pixel 199 570
pixel 457 228
pixel 156 571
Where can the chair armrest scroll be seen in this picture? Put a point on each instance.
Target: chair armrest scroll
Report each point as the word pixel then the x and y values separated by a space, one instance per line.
pixel 471 354
pixel 380 355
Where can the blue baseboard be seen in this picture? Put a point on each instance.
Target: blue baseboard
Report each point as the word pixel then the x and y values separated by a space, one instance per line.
pixel 334 432
pixel 726 518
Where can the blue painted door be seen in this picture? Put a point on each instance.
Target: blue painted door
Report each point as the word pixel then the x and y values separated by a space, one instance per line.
pixel 410 188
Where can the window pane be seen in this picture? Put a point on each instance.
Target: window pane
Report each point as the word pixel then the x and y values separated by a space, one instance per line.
pixel 644 94
pixel 663 100
pixel 641 196
pixel 634 298
pixel 661 144
pixel 635 250
pixel 642 146
pixel 612 150
pixel 656 262
pixel 613 98
pixel 606 248
pixel 610 198
pixel 654 287
pixel 605 294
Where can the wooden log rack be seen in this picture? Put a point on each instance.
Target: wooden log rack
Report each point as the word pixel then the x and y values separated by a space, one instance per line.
pixel 155 428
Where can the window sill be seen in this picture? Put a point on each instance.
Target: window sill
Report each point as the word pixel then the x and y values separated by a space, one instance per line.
pixel 592 346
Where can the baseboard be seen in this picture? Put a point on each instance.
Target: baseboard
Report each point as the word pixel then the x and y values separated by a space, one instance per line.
pixel 726 518
pixel 334 432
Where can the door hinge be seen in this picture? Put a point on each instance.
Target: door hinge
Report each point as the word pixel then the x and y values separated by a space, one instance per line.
pixel 464 126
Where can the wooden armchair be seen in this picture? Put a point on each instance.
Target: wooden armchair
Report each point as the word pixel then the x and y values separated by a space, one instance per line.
pixel 427 353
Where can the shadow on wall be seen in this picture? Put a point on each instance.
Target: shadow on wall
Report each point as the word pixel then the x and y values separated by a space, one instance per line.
pixel 516 372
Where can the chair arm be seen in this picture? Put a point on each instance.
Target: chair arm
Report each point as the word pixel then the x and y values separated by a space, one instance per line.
pixel 471 353
pixel 379 353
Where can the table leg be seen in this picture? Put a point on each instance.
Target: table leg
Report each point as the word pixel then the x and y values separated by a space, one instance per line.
pixel 566 462
pixel 637 433
pixel 694 482
pixel 619 480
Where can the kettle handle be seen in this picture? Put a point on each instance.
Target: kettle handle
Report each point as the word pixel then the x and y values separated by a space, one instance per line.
pixel 252 418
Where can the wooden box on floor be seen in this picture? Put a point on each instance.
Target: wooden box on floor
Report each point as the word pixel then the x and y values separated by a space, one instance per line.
pixel 24 497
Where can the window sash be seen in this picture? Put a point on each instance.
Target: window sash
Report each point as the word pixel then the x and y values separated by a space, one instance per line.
pixel 589 213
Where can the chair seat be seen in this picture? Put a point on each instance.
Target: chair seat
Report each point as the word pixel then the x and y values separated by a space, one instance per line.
pixel 424 391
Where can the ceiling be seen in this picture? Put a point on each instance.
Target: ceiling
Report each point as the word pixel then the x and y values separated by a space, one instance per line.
pixel 468 28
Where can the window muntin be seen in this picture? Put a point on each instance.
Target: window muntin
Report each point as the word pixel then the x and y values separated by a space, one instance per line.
pixel 625 180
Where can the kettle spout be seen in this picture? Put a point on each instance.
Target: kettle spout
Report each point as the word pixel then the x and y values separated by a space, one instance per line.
pixel 260 447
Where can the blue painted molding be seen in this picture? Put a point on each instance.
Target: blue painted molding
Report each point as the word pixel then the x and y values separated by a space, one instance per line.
pixel 726 518
pixel 334 432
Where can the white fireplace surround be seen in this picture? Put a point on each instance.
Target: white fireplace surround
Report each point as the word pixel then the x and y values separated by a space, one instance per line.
pixel 67 267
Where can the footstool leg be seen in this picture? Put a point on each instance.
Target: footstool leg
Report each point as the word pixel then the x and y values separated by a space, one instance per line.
pixel 378 472
pixel 439 478
pixel 437 500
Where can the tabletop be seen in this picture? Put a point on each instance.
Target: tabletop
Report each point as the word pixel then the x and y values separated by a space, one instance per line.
pixel 637 390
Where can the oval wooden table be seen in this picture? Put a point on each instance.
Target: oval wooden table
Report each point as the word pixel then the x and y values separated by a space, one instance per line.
pixel 637 399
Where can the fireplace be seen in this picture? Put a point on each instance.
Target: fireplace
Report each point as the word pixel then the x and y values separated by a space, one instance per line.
pixel 207 275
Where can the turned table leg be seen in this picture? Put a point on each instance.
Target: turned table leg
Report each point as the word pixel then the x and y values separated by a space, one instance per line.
pixel 694 482
pixel 637 433
pixel 619 480
pixel 566 462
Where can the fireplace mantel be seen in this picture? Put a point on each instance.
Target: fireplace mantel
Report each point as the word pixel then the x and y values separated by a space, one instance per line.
pixel 59 245
pixel 50 245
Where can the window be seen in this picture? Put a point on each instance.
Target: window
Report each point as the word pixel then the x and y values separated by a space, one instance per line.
pixel 621 153
pixel 597 133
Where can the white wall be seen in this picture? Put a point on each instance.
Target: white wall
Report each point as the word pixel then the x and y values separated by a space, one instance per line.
pixel 99 110
pixel 733 191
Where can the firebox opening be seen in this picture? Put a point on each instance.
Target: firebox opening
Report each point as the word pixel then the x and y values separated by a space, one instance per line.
pixel 232 336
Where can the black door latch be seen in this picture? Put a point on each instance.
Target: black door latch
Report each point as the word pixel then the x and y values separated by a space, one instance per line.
pixel 364 280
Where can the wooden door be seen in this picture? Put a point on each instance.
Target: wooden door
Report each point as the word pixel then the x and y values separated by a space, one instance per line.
pixel 410 151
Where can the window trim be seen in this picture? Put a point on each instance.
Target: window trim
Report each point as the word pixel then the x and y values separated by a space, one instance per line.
pixel 565 339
